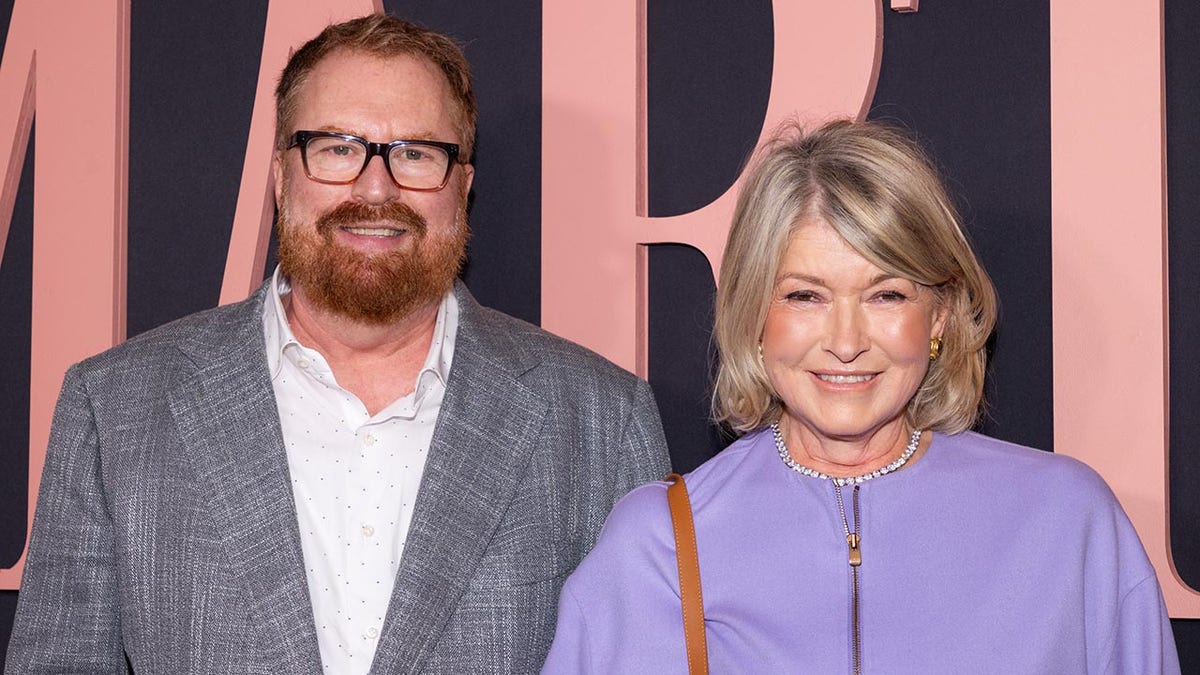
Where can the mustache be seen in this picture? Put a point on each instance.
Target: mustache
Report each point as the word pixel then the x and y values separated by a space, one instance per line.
pixel 349 214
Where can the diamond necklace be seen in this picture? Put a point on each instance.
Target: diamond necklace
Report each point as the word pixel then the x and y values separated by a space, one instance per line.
pixel 848 480
pixel 853 537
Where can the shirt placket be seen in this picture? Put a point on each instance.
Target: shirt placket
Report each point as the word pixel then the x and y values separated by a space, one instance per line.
pixel 365 521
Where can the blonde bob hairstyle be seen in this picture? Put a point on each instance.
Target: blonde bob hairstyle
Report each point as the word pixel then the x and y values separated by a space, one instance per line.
pixel 875 186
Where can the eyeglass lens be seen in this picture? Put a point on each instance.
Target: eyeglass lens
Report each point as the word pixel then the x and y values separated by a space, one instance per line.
pixel 413 165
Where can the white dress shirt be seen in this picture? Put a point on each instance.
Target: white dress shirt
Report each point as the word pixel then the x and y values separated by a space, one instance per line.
pixel 354 477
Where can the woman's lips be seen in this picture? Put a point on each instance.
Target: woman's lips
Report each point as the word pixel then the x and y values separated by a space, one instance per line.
pixel 834 378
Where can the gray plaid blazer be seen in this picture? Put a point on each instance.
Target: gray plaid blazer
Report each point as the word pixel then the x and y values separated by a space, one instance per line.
pixel 166 533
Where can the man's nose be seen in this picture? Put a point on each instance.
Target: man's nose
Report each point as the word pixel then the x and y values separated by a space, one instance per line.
pixel 375 184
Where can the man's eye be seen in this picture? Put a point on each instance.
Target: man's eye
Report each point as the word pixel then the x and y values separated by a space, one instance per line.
pixel 414 155
pixel 343 150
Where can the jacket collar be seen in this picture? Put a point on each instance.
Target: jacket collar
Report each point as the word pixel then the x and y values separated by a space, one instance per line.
pixel 485 435
pixel 227 418
pixel 228 422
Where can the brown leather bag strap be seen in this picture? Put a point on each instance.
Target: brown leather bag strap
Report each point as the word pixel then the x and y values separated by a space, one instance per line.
pixel 689 575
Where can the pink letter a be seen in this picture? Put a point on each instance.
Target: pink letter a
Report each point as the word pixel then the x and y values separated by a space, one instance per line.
pixel 72 66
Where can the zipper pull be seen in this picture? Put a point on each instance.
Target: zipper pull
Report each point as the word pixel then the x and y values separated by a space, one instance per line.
pixel 852 540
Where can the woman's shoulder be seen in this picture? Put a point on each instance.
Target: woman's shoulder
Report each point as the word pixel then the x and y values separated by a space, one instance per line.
pixel 972 453
pixel 641 508
pixel 717 472
pixel 645 507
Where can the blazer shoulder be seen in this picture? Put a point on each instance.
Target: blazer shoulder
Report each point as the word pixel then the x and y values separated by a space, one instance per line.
pixel 205 335
pixel 531 350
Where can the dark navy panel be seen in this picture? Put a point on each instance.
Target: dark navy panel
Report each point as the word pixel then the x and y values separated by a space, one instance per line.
pixel 503 42
pixel 681 293
pixel 16 294
pixel 972 80
pixel 193 72
pixel 1187 640
pixel 1182 53
pixel 8 607
pixel 708 81
pixel 16 286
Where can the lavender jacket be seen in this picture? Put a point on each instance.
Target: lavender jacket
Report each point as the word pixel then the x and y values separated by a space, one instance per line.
pixel 981 557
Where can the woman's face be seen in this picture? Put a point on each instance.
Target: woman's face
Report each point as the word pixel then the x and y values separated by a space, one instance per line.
pixel 845 344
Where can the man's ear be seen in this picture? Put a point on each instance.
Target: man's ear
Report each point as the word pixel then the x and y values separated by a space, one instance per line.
pixel 468 178
pixel 277 175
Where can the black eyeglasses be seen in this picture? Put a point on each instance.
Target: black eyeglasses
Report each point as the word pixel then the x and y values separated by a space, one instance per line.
pixel 339 159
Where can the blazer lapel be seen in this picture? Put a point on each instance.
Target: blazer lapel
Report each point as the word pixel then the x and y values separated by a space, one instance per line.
pixel 229 425
pixel 484 436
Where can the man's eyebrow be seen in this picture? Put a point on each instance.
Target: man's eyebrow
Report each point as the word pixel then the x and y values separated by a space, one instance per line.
pixel 421 136
pixel 337 130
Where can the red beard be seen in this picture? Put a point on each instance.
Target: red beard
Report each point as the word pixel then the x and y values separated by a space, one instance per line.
pixel 375 288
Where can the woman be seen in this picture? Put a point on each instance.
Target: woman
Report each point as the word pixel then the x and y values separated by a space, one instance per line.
pixel 857 525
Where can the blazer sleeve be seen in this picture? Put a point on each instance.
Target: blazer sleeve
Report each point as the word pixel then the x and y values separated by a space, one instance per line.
pixel 642 454
pixel 67 616
pixel 619 611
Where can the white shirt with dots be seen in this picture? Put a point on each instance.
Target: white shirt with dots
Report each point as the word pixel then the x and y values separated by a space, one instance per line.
pixel 354 477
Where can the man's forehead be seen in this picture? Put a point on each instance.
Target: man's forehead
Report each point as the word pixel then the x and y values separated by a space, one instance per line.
pixel 348 64
pixel 380 97
pixel 348 76
pixel 427 135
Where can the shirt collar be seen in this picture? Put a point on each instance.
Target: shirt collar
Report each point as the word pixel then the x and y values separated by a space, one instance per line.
pixel 276 330
pixel 279 336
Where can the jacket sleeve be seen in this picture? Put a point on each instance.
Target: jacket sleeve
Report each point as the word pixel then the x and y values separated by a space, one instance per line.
pixel 619 611
pixel 1143 642
pixel 642 454
pixel 628 450
pixel 67 616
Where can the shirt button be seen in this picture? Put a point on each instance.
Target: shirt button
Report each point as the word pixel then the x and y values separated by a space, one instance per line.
pixel 368 531
pixel 371 633
pixel 303 363
pixel 368 440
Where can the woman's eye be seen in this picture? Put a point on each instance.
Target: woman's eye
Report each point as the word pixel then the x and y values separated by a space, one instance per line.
pixel 802 296
pixel 891 296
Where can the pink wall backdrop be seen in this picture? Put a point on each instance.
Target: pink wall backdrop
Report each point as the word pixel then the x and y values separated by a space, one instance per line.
pixel 65 93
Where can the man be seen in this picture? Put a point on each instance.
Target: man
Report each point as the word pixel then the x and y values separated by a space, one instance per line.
pixel 356 469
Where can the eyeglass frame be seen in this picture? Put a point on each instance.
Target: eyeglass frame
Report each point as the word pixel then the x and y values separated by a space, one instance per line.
pixel 301 138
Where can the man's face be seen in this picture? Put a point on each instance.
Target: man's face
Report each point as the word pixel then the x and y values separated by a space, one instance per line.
pixel 372 251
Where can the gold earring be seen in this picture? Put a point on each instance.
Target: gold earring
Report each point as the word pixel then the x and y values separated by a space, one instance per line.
pixel 760 359
pixel 935 347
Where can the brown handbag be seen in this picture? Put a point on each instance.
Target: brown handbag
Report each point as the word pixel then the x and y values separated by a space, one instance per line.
pixel 686 557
